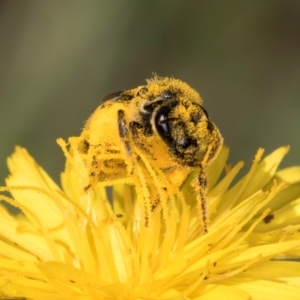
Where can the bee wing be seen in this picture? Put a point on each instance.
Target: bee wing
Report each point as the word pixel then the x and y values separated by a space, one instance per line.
pixel 117 96
pixel 112 96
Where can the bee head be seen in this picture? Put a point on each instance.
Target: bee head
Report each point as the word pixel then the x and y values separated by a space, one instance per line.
pixel 182 123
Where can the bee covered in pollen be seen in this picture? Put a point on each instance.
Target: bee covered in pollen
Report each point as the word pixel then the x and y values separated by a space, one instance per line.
pixel 161 129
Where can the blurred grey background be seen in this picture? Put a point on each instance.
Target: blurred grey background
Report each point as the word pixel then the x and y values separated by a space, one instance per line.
pixel 57 58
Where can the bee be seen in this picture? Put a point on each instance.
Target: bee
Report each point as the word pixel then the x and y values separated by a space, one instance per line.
pixel 160 127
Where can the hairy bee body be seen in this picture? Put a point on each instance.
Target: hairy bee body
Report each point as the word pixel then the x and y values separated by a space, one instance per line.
pixel 161 124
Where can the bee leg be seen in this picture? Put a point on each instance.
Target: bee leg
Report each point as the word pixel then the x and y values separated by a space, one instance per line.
pixel 203 186
pixel 135 128
pixel 123 133
pixel 202 197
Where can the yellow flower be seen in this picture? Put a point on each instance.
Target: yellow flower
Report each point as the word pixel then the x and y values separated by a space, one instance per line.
pixel 71 243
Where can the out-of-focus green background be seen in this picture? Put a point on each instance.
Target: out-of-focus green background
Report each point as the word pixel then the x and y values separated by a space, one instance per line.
pixel 57 58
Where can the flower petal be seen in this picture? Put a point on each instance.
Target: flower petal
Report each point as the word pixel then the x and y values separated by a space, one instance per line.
pixel 280 271
pixel 260 289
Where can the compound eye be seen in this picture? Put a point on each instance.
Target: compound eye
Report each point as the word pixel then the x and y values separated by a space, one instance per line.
pixel 162 123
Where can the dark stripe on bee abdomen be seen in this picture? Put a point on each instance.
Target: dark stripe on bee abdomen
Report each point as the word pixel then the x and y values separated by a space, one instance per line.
pixel 114 164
